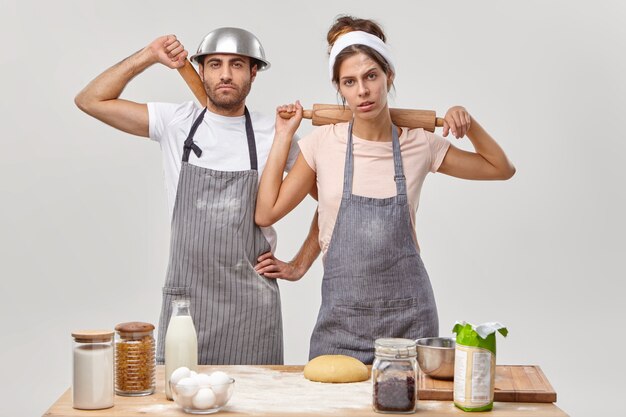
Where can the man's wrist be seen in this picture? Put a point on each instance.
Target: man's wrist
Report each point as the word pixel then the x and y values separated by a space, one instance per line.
pixel 141 60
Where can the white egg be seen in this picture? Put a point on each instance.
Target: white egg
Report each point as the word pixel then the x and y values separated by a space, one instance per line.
pixel 220 390
pixel 184 401
pixel 219 383
pixel 187 387
pixel 179 373
pixel 221 398
pixel 204 399
pixel 192 374
pixel 203 380
pixel 219 378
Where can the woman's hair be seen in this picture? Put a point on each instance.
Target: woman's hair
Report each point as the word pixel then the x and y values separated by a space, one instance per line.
pixel 345 24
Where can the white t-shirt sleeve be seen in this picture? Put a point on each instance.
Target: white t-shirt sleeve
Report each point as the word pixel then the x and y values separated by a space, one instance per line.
pixel 294 150
pixel 159 116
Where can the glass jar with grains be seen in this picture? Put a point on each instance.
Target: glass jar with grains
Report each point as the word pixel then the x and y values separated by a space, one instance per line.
pixel 394 376
pixel 134 359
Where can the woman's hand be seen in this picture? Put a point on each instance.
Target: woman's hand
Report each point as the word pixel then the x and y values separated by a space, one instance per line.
pixel 288 118
pixel 457 120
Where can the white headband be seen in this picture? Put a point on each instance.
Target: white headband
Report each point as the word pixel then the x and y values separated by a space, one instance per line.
pixel 359 38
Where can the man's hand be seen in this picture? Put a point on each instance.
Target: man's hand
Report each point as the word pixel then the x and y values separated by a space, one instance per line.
pixel 168 51
pixel 270 267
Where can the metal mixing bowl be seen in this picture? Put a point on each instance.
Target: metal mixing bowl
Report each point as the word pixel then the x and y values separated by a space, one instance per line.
pixel 232 41
pixel 435 356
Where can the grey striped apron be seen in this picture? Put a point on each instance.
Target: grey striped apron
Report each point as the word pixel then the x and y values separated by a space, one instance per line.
pixel 375 284
pixel 214 246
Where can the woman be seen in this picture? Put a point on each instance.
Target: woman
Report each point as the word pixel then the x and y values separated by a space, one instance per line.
pixel 369 175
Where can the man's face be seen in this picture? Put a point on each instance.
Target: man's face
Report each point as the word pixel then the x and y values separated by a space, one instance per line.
pixel 227 80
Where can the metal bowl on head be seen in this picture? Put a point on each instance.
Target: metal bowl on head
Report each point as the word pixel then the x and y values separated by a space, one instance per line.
pixel 232 41
pixel 435 356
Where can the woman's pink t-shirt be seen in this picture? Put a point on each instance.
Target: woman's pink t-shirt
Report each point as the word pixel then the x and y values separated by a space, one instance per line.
pixel 324 150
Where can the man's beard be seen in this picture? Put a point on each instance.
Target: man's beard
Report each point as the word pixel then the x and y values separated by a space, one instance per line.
pixel 231 101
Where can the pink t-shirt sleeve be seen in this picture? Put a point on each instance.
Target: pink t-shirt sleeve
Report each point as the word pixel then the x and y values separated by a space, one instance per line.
pixel 309 146
pixel 438 149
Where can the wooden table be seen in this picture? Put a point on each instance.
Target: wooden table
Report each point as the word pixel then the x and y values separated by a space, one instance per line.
pixel 283 391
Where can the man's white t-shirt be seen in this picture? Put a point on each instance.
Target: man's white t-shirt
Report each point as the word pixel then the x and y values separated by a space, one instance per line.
pixel 222 139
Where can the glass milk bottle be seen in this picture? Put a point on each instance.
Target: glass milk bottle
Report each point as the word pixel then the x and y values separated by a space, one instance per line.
pixel 92 379
pixel 181 342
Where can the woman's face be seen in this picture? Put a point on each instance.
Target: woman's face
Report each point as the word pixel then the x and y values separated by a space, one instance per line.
pixel 364 85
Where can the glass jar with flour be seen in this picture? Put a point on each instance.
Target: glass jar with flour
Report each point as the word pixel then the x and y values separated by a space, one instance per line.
pixel 93 375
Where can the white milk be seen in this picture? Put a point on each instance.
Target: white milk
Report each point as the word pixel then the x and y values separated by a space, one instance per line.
pixel 181 348
pixel 92 385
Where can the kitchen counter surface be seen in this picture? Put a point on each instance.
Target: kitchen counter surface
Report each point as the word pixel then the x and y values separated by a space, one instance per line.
pixel 283 391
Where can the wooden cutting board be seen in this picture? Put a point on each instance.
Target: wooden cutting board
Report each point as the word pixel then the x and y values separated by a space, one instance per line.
pixel 514 383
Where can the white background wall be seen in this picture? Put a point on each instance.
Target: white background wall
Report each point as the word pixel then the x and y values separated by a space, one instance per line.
pixel 84 228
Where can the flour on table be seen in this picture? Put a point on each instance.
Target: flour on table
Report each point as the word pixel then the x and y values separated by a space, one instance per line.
pixel 157 408
pixel 258 389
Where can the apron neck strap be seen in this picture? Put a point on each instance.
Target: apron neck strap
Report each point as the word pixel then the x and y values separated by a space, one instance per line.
pixel 399 177
pixel 251 141
pixel 191 146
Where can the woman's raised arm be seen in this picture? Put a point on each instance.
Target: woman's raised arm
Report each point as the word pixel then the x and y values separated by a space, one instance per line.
pixel 277 197
pixel 488 162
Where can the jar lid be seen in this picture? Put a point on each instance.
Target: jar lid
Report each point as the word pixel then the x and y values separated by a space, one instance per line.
pixel 86 336
pixel 134 329
pixel 395 348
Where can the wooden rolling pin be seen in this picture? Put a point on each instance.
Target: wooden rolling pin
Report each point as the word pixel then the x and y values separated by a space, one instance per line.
pixel 191 77
pixel 323 114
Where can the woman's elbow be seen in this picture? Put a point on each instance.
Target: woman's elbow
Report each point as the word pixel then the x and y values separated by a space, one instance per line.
pixel 507 173
pixel 263 220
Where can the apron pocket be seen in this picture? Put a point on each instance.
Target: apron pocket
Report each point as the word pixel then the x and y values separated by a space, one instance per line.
pixel 172 294
pixel 355 326
pixel 176 292
pixel 378 304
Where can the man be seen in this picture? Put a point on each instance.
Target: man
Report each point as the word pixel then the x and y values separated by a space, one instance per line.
pixel 213 158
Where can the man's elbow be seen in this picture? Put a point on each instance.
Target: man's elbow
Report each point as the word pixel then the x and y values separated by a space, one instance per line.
pixel 86 103
pixel 81 102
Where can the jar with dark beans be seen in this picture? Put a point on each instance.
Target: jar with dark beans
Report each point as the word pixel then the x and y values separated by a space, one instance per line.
pixel 394 373
pixel 395 395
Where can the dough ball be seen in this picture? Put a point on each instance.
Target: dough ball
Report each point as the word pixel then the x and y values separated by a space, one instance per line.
pixel 336 368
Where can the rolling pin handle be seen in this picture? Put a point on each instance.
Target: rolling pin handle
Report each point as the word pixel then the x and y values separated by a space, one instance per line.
pixel 306 114
pixel 438 122
pixel 191 77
